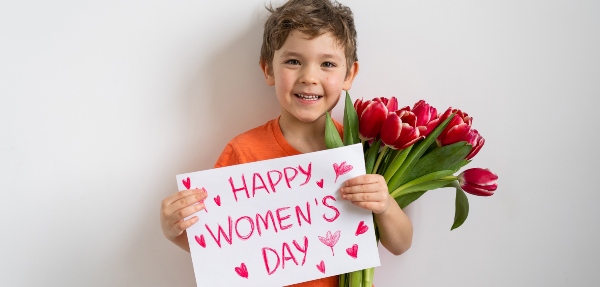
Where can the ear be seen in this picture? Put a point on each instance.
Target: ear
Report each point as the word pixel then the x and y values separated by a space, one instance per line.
pixel 350 76
pixel 268 77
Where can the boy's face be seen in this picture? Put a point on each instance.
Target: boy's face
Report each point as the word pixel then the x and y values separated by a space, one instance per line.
pixel 309 76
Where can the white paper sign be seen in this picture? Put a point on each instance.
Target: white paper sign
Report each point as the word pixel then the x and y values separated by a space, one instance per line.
pixel 281 221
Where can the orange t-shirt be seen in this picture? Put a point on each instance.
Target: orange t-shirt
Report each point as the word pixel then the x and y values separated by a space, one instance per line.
pixel 262 143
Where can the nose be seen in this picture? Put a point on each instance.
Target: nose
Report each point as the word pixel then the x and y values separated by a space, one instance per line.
pixel 309 75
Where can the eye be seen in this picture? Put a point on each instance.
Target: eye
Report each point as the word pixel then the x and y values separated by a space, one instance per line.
pixel 292 62
pixel 328 65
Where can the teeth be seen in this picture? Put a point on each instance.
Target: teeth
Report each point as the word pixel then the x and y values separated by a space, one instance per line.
pixel 308 97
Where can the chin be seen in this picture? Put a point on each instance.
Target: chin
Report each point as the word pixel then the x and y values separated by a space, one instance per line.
pixel 309 118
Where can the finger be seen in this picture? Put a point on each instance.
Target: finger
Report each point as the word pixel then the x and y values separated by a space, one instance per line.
pixel 178 195
pixel 185 224
pixel 356 197
pixel 185 202
pixel 364 179
pixel 362 197
pixel 362 188
pixel 181 214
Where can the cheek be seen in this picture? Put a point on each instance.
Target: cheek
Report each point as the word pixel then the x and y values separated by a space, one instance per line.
pixel 283 80
pixel 334 82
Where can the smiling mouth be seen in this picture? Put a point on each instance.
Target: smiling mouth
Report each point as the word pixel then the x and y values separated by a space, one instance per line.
pixel 308 97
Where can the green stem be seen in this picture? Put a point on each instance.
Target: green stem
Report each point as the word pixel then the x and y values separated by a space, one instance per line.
pixel 343 280
pixel 381 154
pixel 396 163
pixel 368 277
pixel 356 278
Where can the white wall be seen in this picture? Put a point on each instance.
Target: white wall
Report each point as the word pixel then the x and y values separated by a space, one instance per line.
pixel 103 102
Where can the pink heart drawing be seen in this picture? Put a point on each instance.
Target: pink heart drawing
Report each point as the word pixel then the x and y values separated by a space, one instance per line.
pixel 321 267
pixel 320 183
pixel 341 169
pixel 218 200
pixel 187 183
pixel 200 240
pixel 242 271
pixel 353 251
pixel 362 228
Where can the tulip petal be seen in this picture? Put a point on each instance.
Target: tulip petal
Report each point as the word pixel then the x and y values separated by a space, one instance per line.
pixel 371 120
pixel 455 134
pixel 476 148
pixel 431 126
pixel 391 129
pixel 392 104
pixel 479 190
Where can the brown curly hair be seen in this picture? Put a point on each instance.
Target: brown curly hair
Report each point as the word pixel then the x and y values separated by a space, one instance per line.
pixel 311 17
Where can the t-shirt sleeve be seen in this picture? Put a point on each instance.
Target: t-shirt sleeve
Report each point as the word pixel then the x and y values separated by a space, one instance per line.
pixel 228 157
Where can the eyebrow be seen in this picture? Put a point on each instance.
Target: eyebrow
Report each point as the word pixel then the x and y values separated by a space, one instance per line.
pixel 295 54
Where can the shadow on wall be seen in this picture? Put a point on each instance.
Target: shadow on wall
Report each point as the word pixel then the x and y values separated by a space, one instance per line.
pixel 238 98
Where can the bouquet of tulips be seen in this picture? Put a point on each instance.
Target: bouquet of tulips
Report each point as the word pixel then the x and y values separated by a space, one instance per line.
pixel 415 150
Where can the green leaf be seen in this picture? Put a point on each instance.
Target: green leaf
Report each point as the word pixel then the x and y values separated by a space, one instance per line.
pixel 440 158
pixel 399 176
pixel 459 165
pixel 387 160
pixel 404 201
pixel 434 184
pixel 350 122
pixel 430 149
pixel 372 156
pixel 332 137
pixel 462 208
pixel 423 179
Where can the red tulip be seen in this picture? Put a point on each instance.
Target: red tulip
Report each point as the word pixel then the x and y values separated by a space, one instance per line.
pixel 372 114
pixel 400 129
pixel 427 117
pixel 476 140
pixel 458 128
pixel 391 104
pixel 478 181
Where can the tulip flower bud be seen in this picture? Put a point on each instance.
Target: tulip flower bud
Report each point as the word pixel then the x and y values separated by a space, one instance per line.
pixel 478 181
pixel 371 117
pixel 391 104
pixel 372 114
pixel 458 128
pixel 427 117
pixel 476 140
pixel 399 129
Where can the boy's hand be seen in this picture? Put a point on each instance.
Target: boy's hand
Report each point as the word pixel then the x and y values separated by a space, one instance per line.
pixel 368 191
pixel 178 206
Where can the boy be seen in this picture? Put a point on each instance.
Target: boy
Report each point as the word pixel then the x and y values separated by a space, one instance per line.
pixel 309 56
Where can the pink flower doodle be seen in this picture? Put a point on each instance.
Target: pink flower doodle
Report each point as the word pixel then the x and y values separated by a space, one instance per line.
pixel 341 169
pixel 330 240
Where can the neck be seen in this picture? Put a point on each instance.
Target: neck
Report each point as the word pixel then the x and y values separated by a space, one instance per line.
pixel 303 136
